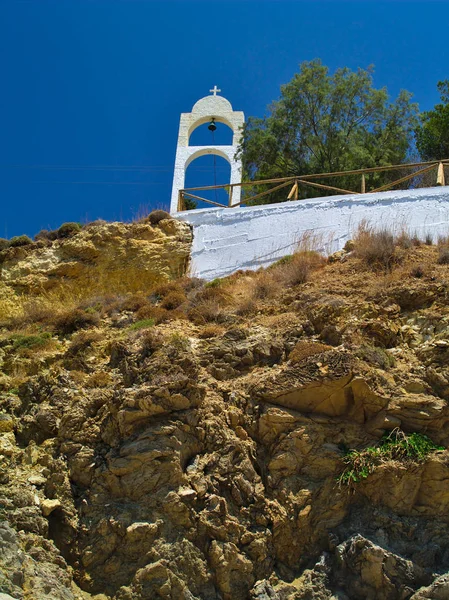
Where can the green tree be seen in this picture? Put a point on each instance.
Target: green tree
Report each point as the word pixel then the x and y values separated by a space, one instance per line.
pixel 432 135
pixel 326 123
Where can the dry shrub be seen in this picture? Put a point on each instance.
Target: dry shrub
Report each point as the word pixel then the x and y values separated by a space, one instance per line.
pixel 264 286
pixel 404 240
pixel 299 268
pixel 101 379
pixel 443 255
pixel 150 342
pixel 133 302
pixel 74 319
pixel 417 272
pixel 173 300
pixel 303 350
pixel 211 331
pixel 208 305
pixel 188 284
pixel 295 269
pixel 82 341
pixel 245 307
pixel 156 216
pixel 156 313
pixel 375 248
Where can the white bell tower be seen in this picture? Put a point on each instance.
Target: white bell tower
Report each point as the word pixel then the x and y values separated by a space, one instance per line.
pixel 220 110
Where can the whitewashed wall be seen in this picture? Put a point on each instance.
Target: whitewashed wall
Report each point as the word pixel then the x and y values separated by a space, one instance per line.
pixel 226 240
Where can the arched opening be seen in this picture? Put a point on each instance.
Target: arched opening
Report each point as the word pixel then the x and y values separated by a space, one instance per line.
pixel 202 136
pixel 209 169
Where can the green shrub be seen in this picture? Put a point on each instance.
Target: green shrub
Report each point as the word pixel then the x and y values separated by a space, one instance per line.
pixel 30 341
pixel 68 229
pixel 4 243
pixel 396 445
pixel 20 240
pixel 376 356
pixel 143 324
pixel 214 283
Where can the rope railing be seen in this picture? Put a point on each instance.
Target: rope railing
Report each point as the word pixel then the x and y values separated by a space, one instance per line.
pixel 307 181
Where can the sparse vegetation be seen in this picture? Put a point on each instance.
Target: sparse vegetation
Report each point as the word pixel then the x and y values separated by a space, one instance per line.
pixel 396 445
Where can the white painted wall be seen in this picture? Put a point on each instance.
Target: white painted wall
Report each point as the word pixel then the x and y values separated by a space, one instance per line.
pixel 226 240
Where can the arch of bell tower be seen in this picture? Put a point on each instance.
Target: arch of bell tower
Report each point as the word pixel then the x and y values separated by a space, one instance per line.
pixel 206 109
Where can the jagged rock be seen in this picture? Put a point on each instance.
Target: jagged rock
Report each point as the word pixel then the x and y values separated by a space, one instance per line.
pixel 322 384
pixel 366 571
pixel 438 590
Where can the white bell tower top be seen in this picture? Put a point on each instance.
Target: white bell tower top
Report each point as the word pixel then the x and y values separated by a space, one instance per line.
pixel 208 108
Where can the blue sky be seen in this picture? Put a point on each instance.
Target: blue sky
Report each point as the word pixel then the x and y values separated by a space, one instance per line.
pixel 91 90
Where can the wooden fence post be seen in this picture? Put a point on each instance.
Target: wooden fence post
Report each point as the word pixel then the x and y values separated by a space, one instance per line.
pixel 363 189
pixel 440 175
pixel 293 192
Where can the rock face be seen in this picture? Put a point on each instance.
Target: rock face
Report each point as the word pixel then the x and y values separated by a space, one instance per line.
pixel 208 466
pixel 99 253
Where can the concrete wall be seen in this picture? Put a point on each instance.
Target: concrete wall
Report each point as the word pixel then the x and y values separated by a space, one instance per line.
pixel 226 240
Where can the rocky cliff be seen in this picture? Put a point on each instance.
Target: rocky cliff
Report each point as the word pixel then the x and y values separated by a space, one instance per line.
pixel 278 435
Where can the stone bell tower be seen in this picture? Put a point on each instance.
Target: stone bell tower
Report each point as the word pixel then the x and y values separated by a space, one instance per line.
pixel 212 109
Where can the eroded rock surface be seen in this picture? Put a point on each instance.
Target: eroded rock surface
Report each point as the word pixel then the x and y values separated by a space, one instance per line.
pixel 206 467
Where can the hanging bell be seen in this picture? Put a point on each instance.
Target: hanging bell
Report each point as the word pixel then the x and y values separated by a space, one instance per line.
pixel 212 126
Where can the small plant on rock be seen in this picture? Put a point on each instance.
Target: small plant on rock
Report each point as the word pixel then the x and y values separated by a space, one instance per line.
pixel 142 324
pixel 396 445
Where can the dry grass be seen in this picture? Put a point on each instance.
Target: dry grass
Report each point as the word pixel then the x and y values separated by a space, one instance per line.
pixel 443 250
pixel 264 286
pixel 376 248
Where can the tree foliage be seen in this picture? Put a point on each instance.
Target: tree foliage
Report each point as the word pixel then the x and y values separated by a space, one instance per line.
pixel 432 135
pixel 327 123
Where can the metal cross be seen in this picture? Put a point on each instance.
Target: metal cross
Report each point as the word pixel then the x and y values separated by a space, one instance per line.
pixel 215 90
